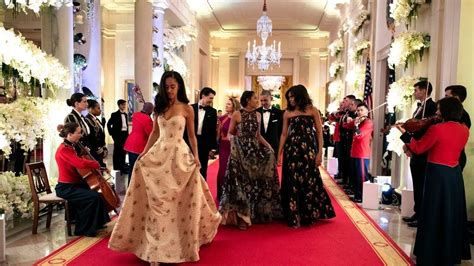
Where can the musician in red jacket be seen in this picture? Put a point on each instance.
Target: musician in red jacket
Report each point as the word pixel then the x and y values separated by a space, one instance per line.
pixel 87 206
pixel 361 149
pixel 142 125
pixel 442 237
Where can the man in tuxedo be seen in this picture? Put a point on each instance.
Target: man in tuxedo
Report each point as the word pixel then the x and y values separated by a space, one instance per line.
pixel 205 127
pixel 118 129
pixel 426 107
pixel 272 120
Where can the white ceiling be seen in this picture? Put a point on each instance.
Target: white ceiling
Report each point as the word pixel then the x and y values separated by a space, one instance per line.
pixel 286 15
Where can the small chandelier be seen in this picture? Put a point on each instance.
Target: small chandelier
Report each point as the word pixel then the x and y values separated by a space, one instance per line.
pixel 262 55
pixel 271 83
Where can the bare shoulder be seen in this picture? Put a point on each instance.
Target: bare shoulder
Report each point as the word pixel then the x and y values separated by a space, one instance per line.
pixel 187 109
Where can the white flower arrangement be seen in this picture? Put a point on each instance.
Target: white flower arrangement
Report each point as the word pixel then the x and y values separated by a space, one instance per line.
pixel 407 47
pixel 359 21
pixel 173 39
pixel 358 50
pixel 31 62
pixel 405 10
pixel 356 76
pixel 335 69
pixel 394 142
pixel 400 93
pixel 335 88
pixel 333 106
pixel 35 5
pixel 336 47
pixel 15 195
pixel 28 119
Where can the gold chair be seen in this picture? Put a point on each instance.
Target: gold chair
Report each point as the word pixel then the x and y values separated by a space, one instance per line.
pixel 41 193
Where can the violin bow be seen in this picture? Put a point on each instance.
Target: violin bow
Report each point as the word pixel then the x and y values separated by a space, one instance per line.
pixel 377 107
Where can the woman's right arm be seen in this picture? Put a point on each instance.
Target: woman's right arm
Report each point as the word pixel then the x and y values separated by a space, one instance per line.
pixel 155 134
pixel 284 134
pixel 70 156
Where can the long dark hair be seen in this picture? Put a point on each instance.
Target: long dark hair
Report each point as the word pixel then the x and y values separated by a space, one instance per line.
pixel 301 96
pixel 451 109
pixel 161 99
pixel 75 98
pixel 245 98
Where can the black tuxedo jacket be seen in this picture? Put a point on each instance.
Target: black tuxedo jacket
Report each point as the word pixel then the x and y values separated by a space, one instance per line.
pixel 207 140
pixel 275 126
pixel 74 117
pixel 430 111
pixel 114 126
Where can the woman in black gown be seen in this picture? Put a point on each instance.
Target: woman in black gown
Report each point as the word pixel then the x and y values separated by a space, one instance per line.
pixel 304 199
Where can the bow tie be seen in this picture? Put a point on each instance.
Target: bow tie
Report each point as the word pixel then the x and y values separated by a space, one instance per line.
pixel 418 104
pixel 266 110
pixel 203 107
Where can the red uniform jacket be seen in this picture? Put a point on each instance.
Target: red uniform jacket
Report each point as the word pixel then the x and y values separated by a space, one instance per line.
pixel 443 142
pixel 361 147
pixel 68 162
pixel 142 125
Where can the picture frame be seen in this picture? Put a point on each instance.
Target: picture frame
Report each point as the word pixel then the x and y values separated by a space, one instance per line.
pixel 129 97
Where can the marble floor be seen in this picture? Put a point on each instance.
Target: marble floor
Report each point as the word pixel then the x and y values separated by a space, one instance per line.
pixel 23 248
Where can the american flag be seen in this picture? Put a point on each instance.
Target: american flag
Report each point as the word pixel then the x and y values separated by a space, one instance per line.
pixel 368 86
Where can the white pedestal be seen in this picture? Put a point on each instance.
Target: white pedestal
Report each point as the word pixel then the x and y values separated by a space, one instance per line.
pixel 2 237
pixel 120 181
pixel 408 203
pixel 382 179
pixel 330 152
pixel 371 195
pixel 332 166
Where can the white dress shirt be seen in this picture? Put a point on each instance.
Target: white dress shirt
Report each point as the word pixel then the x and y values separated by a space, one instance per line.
pixel 201 114
pixel 266 118
pixel 124 121
pixel 88 131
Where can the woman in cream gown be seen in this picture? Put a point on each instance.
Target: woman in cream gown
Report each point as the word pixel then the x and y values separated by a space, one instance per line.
pixel 168 212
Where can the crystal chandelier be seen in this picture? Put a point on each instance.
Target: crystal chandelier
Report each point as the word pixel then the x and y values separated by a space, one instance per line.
pixel 262 55
pixel 270 83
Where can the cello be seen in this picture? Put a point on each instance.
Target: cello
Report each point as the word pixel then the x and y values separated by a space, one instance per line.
pixel 97 182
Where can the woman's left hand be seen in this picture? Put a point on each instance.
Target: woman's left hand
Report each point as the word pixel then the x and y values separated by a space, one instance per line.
pixel 197 162
pixel 319 160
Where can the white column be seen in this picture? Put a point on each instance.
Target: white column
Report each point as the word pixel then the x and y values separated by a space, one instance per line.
pixel 314 80
pixel 143 47
pixel 91 77
pixel 64 49
pixel 158 25
pixel 224 75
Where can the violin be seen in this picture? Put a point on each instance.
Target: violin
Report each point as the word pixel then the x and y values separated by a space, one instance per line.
pixel 97 182
pixel 420 125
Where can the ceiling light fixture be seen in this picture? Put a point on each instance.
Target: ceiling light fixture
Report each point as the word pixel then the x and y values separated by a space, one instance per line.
pixel 262 55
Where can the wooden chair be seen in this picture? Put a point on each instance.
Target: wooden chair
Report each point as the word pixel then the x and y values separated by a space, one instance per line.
pixel 41 193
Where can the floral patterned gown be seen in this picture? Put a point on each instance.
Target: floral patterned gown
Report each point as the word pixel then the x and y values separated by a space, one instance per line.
pixel 168 211
pixel 303 196
pixel 251 188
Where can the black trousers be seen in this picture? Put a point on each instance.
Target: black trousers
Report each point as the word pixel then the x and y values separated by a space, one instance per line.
pixel 87 205
pixel 418 170
pixel 203 151
pixel 119 153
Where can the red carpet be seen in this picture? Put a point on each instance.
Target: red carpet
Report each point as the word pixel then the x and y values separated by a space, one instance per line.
pixel 349 239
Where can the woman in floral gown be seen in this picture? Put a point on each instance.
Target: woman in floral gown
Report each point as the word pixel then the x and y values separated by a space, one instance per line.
pixel 251 188
pixel 231 106
pixel 303 196
pixel 168 211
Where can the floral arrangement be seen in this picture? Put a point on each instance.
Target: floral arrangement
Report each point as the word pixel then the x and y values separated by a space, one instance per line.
pixel 333 106
pixel 356 76
pixel 15 195
pixel 30 63
pixel 336 47
pixel 35 5
pixel 394 142
pixel 407 47
pixel 405 10
pixel 335 69
pixel 173 39
pixel 27 119
pixel 359 22
pixel 400 93
pixel 335 88
pixel 358 50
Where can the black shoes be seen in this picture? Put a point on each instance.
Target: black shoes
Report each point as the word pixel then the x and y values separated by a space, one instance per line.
pixel 356 200
pixel 410 219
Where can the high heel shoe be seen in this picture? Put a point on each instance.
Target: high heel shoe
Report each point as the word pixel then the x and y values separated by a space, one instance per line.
pixel 154 264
